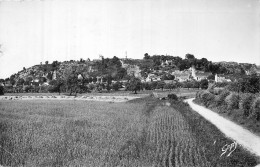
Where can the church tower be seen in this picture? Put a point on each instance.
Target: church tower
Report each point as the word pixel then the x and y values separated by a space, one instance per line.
pixel 193 72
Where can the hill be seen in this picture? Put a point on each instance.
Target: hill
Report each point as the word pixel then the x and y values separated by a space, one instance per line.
pixel 108 70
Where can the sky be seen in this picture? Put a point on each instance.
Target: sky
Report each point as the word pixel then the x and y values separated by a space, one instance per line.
pixel 34 31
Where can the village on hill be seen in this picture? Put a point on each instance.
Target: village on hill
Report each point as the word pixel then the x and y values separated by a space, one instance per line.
pixel 153 72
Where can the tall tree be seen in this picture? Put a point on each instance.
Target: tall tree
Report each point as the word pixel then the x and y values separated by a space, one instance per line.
pixel 146 56
pixel 71 79
pixel 134 84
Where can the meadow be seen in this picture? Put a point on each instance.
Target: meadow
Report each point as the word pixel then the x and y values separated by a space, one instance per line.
pixel 141 132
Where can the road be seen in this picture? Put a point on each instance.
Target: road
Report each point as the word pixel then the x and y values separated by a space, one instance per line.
pixel 245 138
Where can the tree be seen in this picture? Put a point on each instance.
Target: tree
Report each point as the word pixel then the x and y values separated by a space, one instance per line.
pixel 146 56
pixel 134 84
pixel 154 85
pixel 55 65
pixel 189 56
pixel 170 77
pixel 71 79
pixel 12 79
pixel 42 80
pixel 168 86
pixel 147 86
pixel 116 86
pixel 187 84
pixel 164 77
pixel 195 84
pixel 49 76
pixel 160 85
pixel 204 84
pixel 211 77
pixel 20 81
pixel 55 85
pixel 250 84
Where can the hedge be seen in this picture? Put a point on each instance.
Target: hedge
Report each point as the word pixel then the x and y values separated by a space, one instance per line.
pixel 256 109
pixel 246 101
pixel 232 101
pixel 207 98
pixel 220 99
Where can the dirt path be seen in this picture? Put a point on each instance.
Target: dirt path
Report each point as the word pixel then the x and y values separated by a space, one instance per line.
pixel 244 137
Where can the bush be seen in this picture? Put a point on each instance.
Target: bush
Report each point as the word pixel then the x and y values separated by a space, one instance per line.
pixel 44 89
pixel 204 84
pixel 172 96
pixel 198 94
pixel 1 90
pixel 28 88
pixel 246 103
pixel 207 98
pixel 232 101
pixel 116 86
pixel 91 86
pixel 217 91
pixel 220 99
pixel 147 86
pixel 221 84
pixel 211 87
pixel 256 109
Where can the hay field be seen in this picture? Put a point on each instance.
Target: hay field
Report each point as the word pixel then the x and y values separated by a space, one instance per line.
pixel 141 132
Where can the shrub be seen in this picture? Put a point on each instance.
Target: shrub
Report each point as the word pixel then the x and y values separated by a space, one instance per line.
pixel 211 87
pixel 256 109
pixel 91 86
pixel 217 91
pixel 1 90
pixel 43 89
pixel 207 98
pixel 232 101
pixel 220 99
pixel 172 96
pixel 116 86
pixel 147 86
pixel 198 94
pixel 204 84
pixel 246 103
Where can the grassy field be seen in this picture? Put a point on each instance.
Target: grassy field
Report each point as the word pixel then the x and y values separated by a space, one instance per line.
pixel 179 92
pixel 141 132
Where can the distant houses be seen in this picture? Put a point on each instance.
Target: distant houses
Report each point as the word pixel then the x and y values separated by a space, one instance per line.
pixel 190 74
pixel 221 78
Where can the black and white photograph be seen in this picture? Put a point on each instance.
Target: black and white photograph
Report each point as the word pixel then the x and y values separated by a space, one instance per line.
pixel 129 83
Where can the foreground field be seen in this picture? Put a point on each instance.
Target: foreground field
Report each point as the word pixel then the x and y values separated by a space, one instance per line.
pixel 142 132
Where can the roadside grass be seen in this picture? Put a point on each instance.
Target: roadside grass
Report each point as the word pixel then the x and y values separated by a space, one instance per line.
pixel 214 141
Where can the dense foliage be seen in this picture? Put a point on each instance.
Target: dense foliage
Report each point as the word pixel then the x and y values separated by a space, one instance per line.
pixel 1 90
pixel 248 104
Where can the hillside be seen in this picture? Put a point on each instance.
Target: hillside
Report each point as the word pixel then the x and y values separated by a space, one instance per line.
pixel 150 68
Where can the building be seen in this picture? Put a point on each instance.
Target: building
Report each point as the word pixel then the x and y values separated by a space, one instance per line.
pixel 190 74
pixel 152 77
pixel 221 78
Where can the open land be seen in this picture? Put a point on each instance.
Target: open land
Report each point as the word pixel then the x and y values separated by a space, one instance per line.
pixel 140 132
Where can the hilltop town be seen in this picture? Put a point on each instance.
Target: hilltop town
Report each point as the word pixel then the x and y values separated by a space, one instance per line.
pixel 114 73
